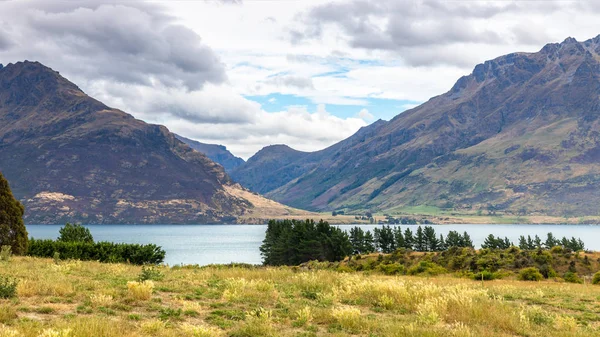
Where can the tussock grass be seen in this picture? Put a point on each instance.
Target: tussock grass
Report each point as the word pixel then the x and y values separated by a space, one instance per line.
pixel 94 299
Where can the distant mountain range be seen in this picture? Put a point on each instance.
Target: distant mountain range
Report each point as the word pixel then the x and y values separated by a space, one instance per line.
pixel 520 134
pixel 69 157
pixel 217 153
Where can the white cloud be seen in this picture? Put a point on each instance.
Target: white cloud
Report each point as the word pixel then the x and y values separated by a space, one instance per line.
pixel 365 115
pixel 189 64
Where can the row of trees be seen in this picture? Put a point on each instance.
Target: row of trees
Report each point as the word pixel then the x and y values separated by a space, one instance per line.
pixel 387 239
pixel 492 242
pixel 292 242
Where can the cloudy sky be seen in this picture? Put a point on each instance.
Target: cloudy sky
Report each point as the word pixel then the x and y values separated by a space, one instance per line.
pixel 247 74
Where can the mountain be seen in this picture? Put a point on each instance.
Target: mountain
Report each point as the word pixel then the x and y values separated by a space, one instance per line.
pixel 69 157
pixel 520 134
pixel 217 153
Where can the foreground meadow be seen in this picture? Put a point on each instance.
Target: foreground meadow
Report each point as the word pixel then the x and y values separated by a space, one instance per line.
pixel 74 298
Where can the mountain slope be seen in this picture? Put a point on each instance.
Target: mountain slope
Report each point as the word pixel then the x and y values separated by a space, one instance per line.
pixel 69 157
pixel 519 134
pixel 217 153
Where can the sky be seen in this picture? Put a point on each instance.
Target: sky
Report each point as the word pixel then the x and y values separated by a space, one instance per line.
pixel 306 73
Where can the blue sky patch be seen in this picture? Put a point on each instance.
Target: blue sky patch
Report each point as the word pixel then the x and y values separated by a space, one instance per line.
pixel 380 108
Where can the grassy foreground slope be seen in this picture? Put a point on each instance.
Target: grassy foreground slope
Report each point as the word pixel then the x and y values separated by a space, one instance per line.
pixel 92 299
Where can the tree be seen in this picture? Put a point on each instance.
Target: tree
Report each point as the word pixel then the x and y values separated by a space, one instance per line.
pixel 420 240
pixel 409 240
pixel 12 228
pixel 399 238
pixel 431 241
pixel 384 239
pixel 368 247
pixel 292 242
pixel 357 238
pixel 75 233
pixel 467 242
pixel 551 241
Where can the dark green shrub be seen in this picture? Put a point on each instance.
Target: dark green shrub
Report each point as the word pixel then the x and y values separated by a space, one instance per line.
pixel 484 275
pixel 596 278
pixel 391 269
pixel 427 268
pixel 99 251
pixel 548 271
pixel 8 287
pixel 572 277
pixel 75 233
pixel 150 273
pixel 530 274
pixel 5 253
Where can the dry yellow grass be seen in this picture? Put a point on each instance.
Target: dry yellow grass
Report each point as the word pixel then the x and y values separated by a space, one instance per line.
pixel 95 299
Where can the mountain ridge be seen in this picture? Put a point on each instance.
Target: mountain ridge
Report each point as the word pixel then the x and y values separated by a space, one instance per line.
pixel 217 153
pixel 538 107
pixel 71 158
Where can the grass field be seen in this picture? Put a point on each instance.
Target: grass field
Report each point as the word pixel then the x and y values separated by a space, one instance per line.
pixel 94 299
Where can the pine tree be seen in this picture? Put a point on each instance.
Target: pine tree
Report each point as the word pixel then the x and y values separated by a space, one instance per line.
pixel 467 242
pixel 399 238
pixel 419 240
pixel 12 228
pixel 442 243
pixel 537 242
pixel 409 240
pixel 551 241
pixel 523 242
pixel 368 247
pixel 431 241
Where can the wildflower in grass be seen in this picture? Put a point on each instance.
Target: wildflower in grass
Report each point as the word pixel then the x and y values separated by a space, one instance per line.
pixel 565 323
pixel 432 310
pixel 55 333
pixel 347 317
pixel 303 316
pixel 8 332
pixel 384 301
pixel 260 313
pixel 140 290
pixel 153 326
pixel 101 300
pixel 200 330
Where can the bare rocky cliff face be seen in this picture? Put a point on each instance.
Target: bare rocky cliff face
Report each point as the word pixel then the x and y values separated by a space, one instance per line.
pixel 519 134
pixel 69 157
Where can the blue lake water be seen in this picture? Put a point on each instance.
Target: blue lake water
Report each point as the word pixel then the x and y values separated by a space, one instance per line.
pixel 207 244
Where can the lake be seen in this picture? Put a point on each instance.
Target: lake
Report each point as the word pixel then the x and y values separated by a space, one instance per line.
pixel 207 244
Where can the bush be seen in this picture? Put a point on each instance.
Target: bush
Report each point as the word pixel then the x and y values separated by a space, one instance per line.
pixel 596 278
pixel 391 269
pixel 427 268
pixel 150 273
pixel 5 253
pixel 484 275
pixel 548 271
pixel 99 251
pixel 572 277
pixel 75 233
pixel 140 290
pixel 8 287
pixel 530 274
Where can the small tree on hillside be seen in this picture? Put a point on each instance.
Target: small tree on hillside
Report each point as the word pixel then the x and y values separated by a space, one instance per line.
pixel 75 233
pixel 12 228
